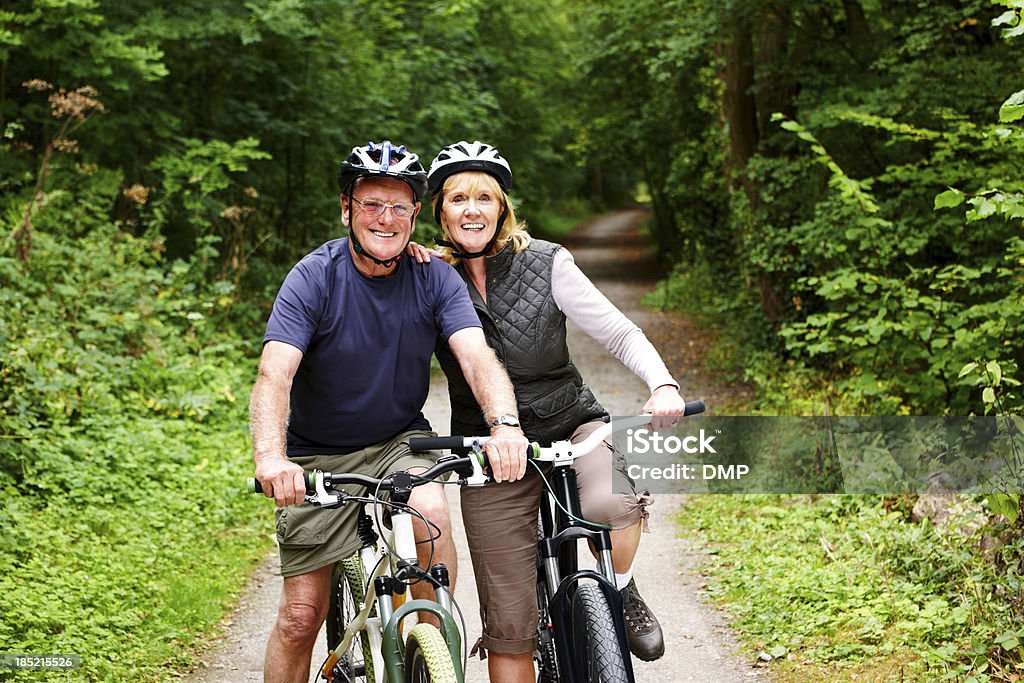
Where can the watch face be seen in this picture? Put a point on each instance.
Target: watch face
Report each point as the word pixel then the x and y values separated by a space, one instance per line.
pixel 506 420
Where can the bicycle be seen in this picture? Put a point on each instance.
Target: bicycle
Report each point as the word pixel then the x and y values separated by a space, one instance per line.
pixel 366 638
pixel 581 631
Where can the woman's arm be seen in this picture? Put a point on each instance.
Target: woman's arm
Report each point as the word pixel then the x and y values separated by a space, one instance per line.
pixel 588 308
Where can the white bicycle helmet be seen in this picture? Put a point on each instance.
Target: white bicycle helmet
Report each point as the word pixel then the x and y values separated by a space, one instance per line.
pixel 468 156
pixel 383 160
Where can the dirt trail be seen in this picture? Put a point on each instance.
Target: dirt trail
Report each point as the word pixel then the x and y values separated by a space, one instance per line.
pixel 699 645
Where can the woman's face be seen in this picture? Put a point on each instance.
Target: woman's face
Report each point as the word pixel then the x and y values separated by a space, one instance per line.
pixel 472 205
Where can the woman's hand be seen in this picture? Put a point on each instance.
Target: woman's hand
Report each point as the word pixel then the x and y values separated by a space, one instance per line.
pixel 420 253
pixel 667 407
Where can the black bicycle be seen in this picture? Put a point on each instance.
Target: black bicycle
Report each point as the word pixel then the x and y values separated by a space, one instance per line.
pixel 581 630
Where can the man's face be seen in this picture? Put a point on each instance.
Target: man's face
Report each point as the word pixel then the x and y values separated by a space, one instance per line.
pixel 384 236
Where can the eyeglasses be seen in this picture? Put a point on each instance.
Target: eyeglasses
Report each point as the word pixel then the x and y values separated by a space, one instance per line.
pixel 375 208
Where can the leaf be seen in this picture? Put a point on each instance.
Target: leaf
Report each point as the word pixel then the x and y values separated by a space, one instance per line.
pixel 966 370
pixel 948 199
pixel 780 651
pixel 996 372
pixel 1009 640
pixel 1013 32
pixel 1006 17
pixel 988 395
pixel 1013 108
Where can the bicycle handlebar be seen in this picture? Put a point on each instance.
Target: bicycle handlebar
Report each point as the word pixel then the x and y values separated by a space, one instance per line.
pixel 388 483
pixel 440 443
pixel 561 451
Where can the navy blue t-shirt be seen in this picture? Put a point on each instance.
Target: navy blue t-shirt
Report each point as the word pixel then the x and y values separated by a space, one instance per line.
pixel 366 344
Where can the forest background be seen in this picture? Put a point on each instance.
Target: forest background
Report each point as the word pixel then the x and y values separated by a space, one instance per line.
pixel 836 187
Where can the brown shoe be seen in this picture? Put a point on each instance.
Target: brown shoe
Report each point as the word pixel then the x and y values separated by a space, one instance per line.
pixel 642 628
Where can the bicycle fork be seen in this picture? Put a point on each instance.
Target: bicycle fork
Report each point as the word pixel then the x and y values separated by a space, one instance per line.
pixel 392 645
pixel 557 552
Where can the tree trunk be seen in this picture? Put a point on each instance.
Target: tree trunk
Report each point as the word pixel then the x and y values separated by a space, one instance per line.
pixel 775 90
pixel 857 23
pixel 739 105
pixel 740 110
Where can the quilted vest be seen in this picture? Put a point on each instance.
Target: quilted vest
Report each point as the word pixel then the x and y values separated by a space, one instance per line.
pixel 526 329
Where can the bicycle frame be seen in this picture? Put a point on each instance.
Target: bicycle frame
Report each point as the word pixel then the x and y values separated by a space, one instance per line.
pixel 384 630
pixel 558 575
pixel 385 637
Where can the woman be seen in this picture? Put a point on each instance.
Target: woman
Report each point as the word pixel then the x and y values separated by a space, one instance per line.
pixel 524 290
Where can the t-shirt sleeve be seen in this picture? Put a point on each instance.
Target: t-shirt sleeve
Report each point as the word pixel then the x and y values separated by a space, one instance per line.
pixel 453 308
pixel 298 307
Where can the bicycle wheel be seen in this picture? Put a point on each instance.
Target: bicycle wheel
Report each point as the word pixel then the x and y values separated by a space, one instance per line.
pixel 595 645
pixel 347 592
pixel 427 658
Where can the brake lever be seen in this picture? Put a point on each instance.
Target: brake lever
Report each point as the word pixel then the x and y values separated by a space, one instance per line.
pixel 478 478
pixel 320 497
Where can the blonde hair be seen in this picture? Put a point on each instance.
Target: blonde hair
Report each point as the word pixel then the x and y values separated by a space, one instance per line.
pixel 470 182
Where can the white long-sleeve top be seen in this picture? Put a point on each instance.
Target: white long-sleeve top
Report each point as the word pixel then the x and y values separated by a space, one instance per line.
pixel 589 309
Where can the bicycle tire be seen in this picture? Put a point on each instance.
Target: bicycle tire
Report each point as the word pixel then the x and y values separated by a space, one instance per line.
pixel 427 658
pixel 347 592
pixel 598 657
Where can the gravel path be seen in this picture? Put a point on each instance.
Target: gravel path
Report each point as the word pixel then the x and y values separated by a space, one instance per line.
pixel 699 645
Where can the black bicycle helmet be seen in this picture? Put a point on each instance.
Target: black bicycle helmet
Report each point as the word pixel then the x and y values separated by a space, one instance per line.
pixel 382 159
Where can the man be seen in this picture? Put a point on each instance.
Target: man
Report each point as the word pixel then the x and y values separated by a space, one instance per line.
pixel 343 378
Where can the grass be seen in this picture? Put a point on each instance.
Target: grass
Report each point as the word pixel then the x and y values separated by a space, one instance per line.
pixel 135 584
pixel 844 588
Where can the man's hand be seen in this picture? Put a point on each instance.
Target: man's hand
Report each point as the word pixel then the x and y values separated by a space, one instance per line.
pixel 667 407
pixel 282 480
pixel 506 453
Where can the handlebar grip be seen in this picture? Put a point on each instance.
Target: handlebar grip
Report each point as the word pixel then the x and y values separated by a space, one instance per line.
pixel 253 485
pixel 694 407
pixel 419 444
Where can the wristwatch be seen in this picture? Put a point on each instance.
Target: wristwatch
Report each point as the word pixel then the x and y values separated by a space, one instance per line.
pixel 505 421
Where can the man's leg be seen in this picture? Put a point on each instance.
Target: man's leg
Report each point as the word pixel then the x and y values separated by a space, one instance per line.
pixel 510 668
pixel 431 502
pixel 301 613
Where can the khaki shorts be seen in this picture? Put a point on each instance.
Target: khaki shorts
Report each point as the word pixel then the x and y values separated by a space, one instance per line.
pixel 501 527
pixel 309 537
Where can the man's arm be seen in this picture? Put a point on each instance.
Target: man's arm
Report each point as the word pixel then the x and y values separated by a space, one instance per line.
pixel 494 393
pixel 280 478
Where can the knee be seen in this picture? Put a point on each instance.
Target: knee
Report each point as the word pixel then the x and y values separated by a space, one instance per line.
pixel 298 623
pixel 435 508
pixel 616 509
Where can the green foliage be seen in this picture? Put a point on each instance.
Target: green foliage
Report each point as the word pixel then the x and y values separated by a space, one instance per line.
pixel 816 203
pixel 843 587
pixel 120 441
